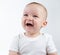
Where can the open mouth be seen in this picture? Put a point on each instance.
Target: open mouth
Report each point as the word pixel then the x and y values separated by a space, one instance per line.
pixel 29 24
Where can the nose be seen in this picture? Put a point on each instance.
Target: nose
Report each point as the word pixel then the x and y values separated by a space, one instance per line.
pixel 30 18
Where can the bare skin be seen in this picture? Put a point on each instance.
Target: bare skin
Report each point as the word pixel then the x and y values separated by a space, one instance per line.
pixel 34 15
pixel 53 53
pixel 13 53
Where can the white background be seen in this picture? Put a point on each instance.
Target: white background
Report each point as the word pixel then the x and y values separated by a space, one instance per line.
pixel 10 21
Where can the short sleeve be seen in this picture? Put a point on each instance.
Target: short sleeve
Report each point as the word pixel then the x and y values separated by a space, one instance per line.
pixel 50 45
pixel 15 44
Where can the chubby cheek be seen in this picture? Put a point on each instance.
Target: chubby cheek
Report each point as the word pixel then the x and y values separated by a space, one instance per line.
pixel 23 22
pixel 38 25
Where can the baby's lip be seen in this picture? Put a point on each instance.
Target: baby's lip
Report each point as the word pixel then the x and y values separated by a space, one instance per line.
pixel 29 24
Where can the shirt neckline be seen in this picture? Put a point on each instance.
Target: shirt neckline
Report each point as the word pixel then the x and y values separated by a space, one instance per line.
pixel 32 39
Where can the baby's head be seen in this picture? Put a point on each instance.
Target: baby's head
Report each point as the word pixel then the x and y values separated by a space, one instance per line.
pixel 34 17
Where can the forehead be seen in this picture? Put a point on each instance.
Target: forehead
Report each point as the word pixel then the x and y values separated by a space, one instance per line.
pixel 33 8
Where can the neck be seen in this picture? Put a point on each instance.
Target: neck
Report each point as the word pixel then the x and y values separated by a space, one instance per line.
pixel 32 34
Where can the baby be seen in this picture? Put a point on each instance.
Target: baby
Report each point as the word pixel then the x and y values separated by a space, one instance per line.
pixel 33 41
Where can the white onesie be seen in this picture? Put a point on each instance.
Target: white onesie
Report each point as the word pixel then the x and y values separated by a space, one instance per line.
pixel 39 45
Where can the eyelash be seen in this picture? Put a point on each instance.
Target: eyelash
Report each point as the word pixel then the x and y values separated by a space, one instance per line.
pixel 25 14
pixel 33 15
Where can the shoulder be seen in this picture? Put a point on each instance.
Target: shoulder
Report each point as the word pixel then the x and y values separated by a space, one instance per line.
pixel 47 36
pixel 18 36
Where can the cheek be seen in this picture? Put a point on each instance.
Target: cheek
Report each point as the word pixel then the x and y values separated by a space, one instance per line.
pixel 23 21
pixel 38 25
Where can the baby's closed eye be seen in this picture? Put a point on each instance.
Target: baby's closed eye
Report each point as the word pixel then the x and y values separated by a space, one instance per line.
pixel 35 16
pixel 25 14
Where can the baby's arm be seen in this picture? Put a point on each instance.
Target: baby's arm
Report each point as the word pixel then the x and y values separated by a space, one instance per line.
pixel 14 48
pixel 53 53
pixel 13 53
pixel 51 49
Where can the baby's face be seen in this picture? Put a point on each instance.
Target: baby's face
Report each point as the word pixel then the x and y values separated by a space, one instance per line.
pixel 33 18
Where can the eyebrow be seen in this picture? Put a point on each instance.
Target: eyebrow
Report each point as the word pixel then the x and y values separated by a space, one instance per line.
pixel 36 3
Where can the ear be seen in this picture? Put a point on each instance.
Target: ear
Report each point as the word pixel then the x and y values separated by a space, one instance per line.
pixel 44 23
